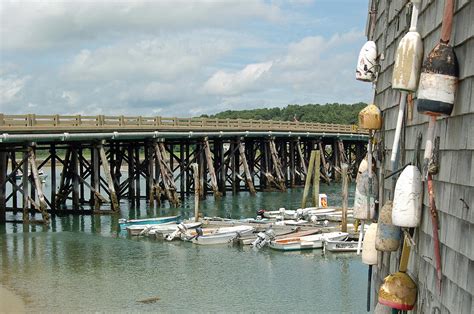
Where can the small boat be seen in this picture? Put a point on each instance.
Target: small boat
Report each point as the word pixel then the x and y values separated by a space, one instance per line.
pixel 124 223
pixel 153 229
pixel 43 176
pixel 217 235
pixel 306 242
pixel 347 245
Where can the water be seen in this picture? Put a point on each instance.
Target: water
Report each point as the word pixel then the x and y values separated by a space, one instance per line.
pixel 81 265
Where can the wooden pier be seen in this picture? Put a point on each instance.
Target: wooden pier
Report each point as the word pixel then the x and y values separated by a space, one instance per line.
pixel 90 161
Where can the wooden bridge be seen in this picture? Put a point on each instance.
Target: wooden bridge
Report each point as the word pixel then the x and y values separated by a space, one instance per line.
pixel 90 160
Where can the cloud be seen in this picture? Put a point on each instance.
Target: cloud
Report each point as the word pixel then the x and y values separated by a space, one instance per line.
pixel 10 88
pixel 224 83
pixel 44 24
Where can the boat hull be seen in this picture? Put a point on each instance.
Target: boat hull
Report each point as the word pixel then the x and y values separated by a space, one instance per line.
pixel 305 243
pixel 124 223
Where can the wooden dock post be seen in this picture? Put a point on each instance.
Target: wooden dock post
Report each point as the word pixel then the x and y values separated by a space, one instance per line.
pixel 52 152
pixel 197 193
pixel 302 161
pixel 95 176
pixel 248 177
pixel 131 172
pixel 38 185
pixel 26 216
pixel 317 168
pixel 277 166
pixel 345 193
pixel 210 167
pixel 150 181
pixel 3 170
pixel 325 165
pixel 182 171
pixel 138 171
pixel 105 165
pixel 166 175
pixel 14 174
pixel 308 178
pixel 74 174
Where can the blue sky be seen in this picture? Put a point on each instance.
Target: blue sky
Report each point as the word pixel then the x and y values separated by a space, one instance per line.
pixel 178 58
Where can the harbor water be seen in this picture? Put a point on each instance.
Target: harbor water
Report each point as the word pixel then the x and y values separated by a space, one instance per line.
pixel 81 264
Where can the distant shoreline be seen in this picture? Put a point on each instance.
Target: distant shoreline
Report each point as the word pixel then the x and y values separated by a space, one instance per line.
pixel 11 302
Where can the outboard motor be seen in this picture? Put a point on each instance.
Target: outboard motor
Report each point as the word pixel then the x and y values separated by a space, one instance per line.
pixel 260 212
pixel 263 238
pixel 199 232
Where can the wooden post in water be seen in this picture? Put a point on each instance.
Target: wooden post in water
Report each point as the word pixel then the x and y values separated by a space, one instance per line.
pixel 75 180
pixel 150 180
pixel 131 172
pixel 248 177
pixel 345 193
pixel 38 184
pixel 105 165
pixel 210 167
pixel 197 193
pixel 26 217
pixel 317 167
pixel 3 170
pixel 95 179
pixel 277 165
pixel 138 170
pixel 302 159
pixel 308 178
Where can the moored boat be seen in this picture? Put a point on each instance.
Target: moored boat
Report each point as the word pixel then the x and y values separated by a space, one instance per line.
pixel 217 235
pixel 306 242
pixel 124 223
pixel 168 227
pixel 347 245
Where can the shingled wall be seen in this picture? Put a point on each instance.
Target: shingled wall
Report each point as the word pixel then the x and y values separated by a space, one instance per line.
pixel 455 180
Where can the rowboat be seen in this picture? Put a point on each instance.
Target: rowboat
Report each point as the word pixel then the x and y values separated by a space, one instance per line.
pixel 263 238
pixel 348 245
pixel 124 223
pixel 306 242
pixel 218 235
pixel 153 229
pixel 42 176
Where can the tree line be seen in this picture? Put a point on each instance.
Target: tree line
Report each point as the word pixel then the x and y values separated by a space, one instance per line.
pixel 328 113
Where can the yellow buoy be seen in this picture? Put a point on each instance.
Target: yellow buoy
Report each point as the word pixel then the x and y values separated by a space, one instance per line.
pixel 398 291
pixel 370 118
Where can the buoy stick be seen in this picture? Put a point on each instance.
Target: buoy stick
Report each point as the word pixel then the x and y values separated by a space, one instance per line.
pixel 398 130
pixel 369 286
pixel 405 255
pixel 369 165
pixel 447 21
pixel 434 222
pixel 361 237
pixel 428 145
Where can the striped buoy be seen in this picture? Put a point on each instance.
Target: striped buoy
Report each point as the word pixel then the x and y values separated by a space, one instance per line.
pixel 388 235
pixel 407 198
pixel 438 82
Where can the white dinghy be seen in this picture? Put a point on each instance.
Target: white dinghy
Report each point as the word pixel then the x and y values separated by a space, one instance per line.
pixel 307 242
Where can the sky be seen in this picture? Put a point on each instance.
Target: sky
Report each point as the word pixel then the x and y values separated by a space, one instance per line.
pixel 178 58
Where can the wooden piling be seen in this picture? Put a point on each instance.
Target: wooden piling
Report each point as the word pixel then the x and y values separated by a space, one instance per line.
pixel 277 166
pixel 317 167
pixel 75 181
pixel 345 193
pixel 210 167
pixel 26 216
pixel 38 185
pixel 95 179
pixel 131 172
pixel 3 182
pixel 150 181
pixel 308 178
pixel 53 177
pixel 325 165
pixel 137 175
pixel 248 177
pixel 108 176
pixel 197 193
pixel 166 175
pixel 302 159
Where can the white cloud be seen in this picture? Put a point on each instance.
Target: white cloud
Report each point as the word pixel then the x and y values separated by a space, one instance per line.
pixel 224 83
pixel 43 24
pixel 10 88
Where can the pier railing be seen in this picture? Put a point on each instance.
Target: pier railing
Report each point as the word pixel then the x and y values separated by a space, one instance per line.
pixel 80 123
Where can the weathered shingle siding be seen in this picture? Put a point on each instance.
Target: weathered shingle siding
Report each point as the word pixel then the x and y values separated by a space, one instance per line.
pixel 455 180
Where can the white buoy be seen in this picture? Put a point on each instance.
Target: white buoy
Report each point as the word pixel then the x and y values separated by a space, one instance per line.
pixel 367 63
pixel 362 193
pixel 369 253
pixel 407 199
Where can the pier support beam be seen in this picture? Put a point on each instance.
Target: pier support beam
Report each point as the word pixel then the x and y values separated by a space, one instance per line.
pixel 248 176
pixel 210 167
pixel 3 183
pixel 38 185
pixel 105 165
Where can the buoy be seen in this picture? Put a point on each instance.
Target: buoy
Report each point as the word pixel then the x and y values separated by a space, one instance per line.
pixel 369 256
pixel 406 73
pixel 408 58
pixel 388 236
pixel 370 118
pixel 407 199
pixel 440 72
pixel 361 197
pixel 369 253
pixel 367 63
pixel 398 291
